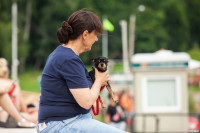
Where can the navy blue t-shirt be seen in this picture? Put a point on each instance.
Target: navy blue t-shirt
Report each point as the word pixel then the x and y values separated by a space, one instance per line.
pixel 63 70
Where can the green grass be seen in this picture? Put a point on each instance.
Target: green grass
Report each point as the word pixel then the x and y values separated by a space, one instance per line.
pixel 100 116
pixel 118 68
pixel 191 92
pixel 29 81
pixel 194 88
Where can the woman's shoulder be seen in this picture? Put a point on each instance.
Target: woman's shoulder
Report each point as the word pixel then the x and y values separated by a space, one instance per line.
pixel 73 59
pixel 65 53
pixel 61 54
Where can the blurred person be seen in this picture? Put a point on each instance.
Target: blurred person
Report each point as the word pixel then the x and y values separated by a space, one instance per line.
pixel 67 92
pixel 16 97
pixel 126 101
pixel 115 115
pixel 7 105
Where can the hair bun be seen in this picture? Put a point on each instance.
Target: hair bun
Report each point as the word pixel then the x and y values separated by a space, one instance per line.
pixel 67 27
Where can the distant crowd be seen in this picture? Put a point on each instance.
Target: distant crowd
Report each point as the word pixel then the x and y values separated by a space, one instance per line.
pixel 120 115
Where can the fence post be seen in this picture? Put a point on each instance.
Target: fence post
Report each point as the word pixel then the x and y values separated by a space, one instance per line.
pixel 144 124
pixel 157 124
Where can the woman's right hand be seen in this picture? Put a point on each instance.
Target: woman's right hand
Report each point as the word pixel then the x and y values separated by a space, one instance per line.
pixel 101 77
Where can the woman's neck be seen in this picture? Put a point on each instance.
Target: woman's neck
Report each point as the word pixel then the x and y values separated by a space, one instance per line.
pixel 75 45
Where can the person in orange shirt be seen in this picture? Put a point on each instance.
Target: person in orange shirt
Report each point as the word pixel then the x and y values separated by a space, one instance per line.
pixel 126 101
pixel 115 115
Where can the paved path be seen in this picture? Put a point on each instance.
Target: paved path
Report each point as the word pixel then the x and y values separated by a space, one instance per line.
pixel 18 130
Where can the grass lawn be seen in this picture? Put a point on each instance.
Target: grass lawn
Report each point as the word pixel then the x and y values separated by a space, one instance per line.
pixel 192 90
pixel 29 81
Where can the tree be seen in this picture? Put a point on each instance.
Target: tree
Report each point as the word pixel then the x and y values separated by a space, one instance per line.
pixel 177 25
pixel 193 13
pixel 167 24
pixel 195 52
pixel 5 30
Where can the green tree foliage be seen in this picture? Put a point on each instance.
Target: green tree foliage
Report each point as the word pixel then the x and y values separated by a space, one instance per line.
pixel 195 52
pixel 177 25
pixel 162 25
pixel 171 24
pixel 193 13
pixel 5 30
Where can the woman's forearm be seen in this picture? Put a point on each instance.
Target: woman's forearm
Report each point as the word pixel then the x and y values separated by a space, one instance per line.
pixel 94 92
pixel 86 97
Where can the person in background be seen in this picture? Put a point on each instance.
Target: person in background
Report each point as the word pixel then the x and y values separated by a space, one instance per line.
pixel 67 92
pixel 7 105
pixel 15 95
pixel 115 115
pixel 126 101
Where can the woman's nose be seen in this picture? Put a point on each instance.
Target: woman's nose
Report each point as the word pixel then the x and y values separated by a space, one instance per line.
pixel 96 39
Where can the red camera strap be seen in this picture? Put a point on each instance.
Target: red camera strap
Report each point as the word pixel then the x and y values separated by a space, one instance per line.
pixel 97 104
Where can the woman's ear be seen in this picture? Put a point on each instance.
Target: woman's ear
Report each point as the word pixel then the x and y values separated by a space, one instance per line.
pixel 85 34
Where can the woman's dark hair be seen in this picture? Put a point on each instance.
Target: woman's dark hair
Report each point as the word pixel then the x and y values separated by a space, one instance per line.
pixel 77 23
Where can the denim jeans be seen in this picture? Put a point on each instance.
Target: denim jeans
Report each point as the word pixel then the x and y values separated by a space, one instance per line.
pixel 83 123
pixel 120 125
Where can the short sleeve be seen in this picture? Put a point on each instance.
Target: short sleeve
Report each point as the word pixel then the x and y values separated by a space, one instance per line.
pixel 73 71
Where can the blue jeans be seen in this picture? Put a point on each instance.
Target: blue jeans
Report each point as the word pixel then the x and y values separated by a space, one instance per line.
pixel 120 125
pixel 83 123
